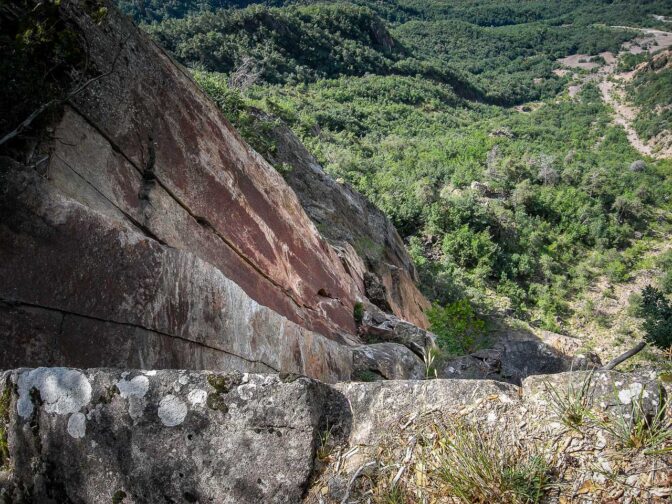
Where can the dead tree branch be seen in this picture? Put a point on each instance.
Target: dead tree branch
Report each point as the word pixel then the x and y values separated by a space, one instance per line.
pixel 624 356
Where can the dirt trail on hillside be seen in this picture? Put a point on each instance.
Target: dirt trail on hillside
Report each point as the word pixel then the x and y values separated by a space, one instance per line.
pixel 624 115
pixel 611 83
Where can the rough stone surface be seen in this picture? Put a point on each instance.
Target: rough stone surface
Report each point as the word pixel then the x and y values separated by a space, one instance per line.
pixel 147 143
pixel 96 435
pixel 131 300
pixel 377 407
pixel 392 430
pixel 251 443
pixel 380 327
pixel 390 361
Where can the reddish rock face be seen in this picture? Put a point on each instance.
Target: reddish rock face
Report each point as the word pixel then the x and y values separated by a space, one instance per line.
pixel 77 288
pixel 369 245
pixel 147 145
pixel 153 236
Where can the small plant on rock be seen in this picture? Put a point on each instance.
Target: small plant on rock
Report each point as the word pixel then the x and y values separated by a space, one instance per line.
pixel 571 404
pixel 478 467
pixel 640 428
pixel 358 313
pixel 458 327
pixel 429 356
pixel 324 448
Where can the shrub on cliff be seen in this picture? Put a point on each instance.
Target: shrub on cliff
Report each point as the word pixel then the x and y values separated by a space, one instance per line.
pixel 656 311
pixel 458 327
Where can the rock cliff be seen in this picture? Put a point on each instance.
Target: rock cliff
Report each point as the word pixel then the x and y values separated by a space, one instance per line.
pixel 368 243
pixel 140 230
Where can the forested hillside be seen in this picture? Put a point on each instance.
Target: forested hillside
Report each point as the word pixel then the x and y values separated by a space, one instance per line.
pixel 455 119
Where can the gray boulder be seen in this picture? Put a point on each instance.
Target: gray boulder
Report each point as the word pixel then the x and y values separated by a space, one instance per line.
pixel 390 361
pixel 516 354
pixel 167 436
pixel 379 327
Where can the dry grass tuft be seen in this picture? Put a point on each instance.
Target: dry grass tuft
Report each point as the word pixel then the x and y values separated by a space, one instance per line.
pixel 456 462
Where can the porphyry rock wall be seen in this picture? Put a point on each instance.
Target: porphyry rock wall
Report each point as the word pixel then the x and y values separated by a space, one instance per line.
pixel 138 229
pixel 370 245
pixel 98 435
pixel 147 145
pixel 87 290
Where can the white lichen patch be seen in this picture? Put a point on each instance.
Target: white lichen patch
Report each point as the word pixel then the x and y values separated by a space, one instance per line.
pixel 505 399
pixel 172 410
pixel 136 387
pixel 61 390
pixel 150 373
pixel 197 397
pixel 632 392
pixel 77 425
pixel 134 390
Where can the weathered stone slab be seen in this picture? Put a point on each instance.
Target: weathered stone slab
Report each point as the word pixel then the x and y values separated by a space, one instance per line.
pixel 387 361
pixel 168 436
pixel 604 389
pixel 380 327
pixel 376 408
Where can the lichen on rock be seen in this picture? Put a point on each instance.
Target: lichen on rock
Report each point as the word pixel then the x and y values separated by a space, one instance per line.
pixel 172 410
pixel 62 390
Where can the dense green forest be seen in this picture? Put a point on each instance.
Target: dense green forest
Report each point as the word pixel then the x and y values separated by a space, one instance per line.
pixel 449 116
pixel 478 12
pixel 504 65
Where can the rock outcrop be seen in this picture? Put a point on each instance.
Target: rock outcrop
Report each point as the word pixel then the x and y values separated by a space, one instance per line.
pixel 515 354
pixel 82 289
pixel 139 229
pixel 168 436
pixel 182 436
pixel 369 245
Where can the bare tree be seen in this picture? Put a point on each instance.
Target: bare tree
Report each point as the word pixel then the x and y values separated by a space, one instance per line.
pixel 547 174
pixel 245 74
